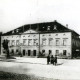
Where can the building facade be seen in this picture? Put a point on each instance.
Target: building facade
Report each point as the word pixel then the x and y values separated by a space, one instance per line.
pixel 33 40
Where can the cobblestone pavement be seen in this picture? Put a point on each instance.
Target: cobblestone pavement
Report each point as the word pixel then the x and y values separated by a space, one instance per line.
pixel 14 76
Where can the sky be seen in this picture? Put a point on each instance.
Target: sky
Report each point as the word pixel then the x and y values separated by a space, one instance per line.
pixel 15 13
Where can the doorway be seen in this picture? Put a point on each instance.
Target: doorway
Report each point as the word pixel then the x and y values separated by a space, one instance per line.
pixel 23 52
pixel 34 52
pixel 29 52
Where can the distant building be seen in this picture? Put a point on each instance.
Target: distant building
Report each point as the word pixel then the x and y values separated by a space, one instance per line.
pixel 43 38
pixel 0 41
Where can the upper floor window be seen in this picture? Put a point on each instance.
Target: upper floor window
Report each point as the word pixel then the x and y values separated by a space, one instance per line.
pixel 13 42
pixel 29 42
pixel 50 41
pixel 17 42
pixel 35 42
pixel 57 42
pixel 9 42
pixel 24 41
pixel 43 41
pixel 64 42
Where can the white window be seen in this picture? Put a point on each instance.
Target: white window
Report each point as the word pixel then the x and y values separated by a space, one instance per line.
pixel 24 42
pixel 48 28
pixel 50 41
pixel 12 31
pixel 9 43
pixel 55 27
pixel 13 42
pixel 43 41
pixel 17 42
pixel 17 30
pixel 35 42
pixel 29 42
pixel 57 42
pixel 64 42
pixel 57 52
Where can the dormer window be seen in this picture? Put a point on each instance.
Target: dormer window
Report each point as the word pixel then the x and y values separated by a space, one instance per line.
pixel 43 27
pixel 55 27
pixel 17 30
pixel 12 32
pixel 48 28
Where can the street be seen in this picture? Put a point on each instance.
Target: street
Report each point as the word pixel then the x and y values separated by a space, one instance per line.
pixel 67 69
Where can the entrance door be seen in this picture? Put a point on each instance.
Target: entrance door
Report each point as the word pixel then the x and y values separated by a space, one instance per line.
pixel 23 52
pixel 29 52
pixel 34 52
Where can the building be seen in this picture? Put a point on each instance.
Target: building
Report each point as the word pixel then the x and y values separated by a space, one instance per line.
pixel 33 40
pixel 0 41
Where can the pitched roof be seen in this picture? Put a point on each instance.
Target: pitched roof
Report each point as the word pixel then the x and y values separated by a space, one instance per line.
pixel 45 27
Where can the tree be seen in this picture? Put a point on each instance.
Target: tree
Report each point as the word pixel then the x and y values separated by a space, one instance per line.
pixel 6 48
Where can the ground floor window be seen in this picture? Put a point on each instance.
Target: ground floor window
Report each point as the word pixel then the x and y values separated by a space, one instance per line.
pixel 34 52
pixel 12 51
pixel 17 50
pixel 64 52
pixel 50 51
pixel 43 51
pixel 57 52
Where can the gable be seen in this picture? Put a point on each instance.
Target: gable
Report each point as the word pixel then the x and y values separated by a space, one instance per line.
pixel 30 31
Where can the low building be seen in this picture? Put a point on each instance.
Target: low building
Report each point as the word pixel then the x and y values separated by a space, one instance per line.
pixel 33 40
pixel 0 41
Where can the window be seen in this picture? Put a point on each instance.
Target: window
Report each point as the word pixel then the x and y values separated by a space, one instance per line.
pixel 50 51
pixel 24 42
pixel 9 42
pixel 29 42
pixel 48 28
pixel 64 52
pixel 57 52
pixel 64 42
pixel 43 41
pixel 55 27
pixel 57 42
pixel 34 52
pixel 13 42
pixel 17 50
pixel 43 51
pixel 50 41
pixel 12 31
pixel 12 51
pixel 17 42
pixel 35 42
pixel 17 30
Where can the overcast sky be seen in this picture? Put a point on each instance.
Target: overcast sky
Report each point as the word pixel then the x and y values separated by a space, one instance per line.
pixel 14 13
